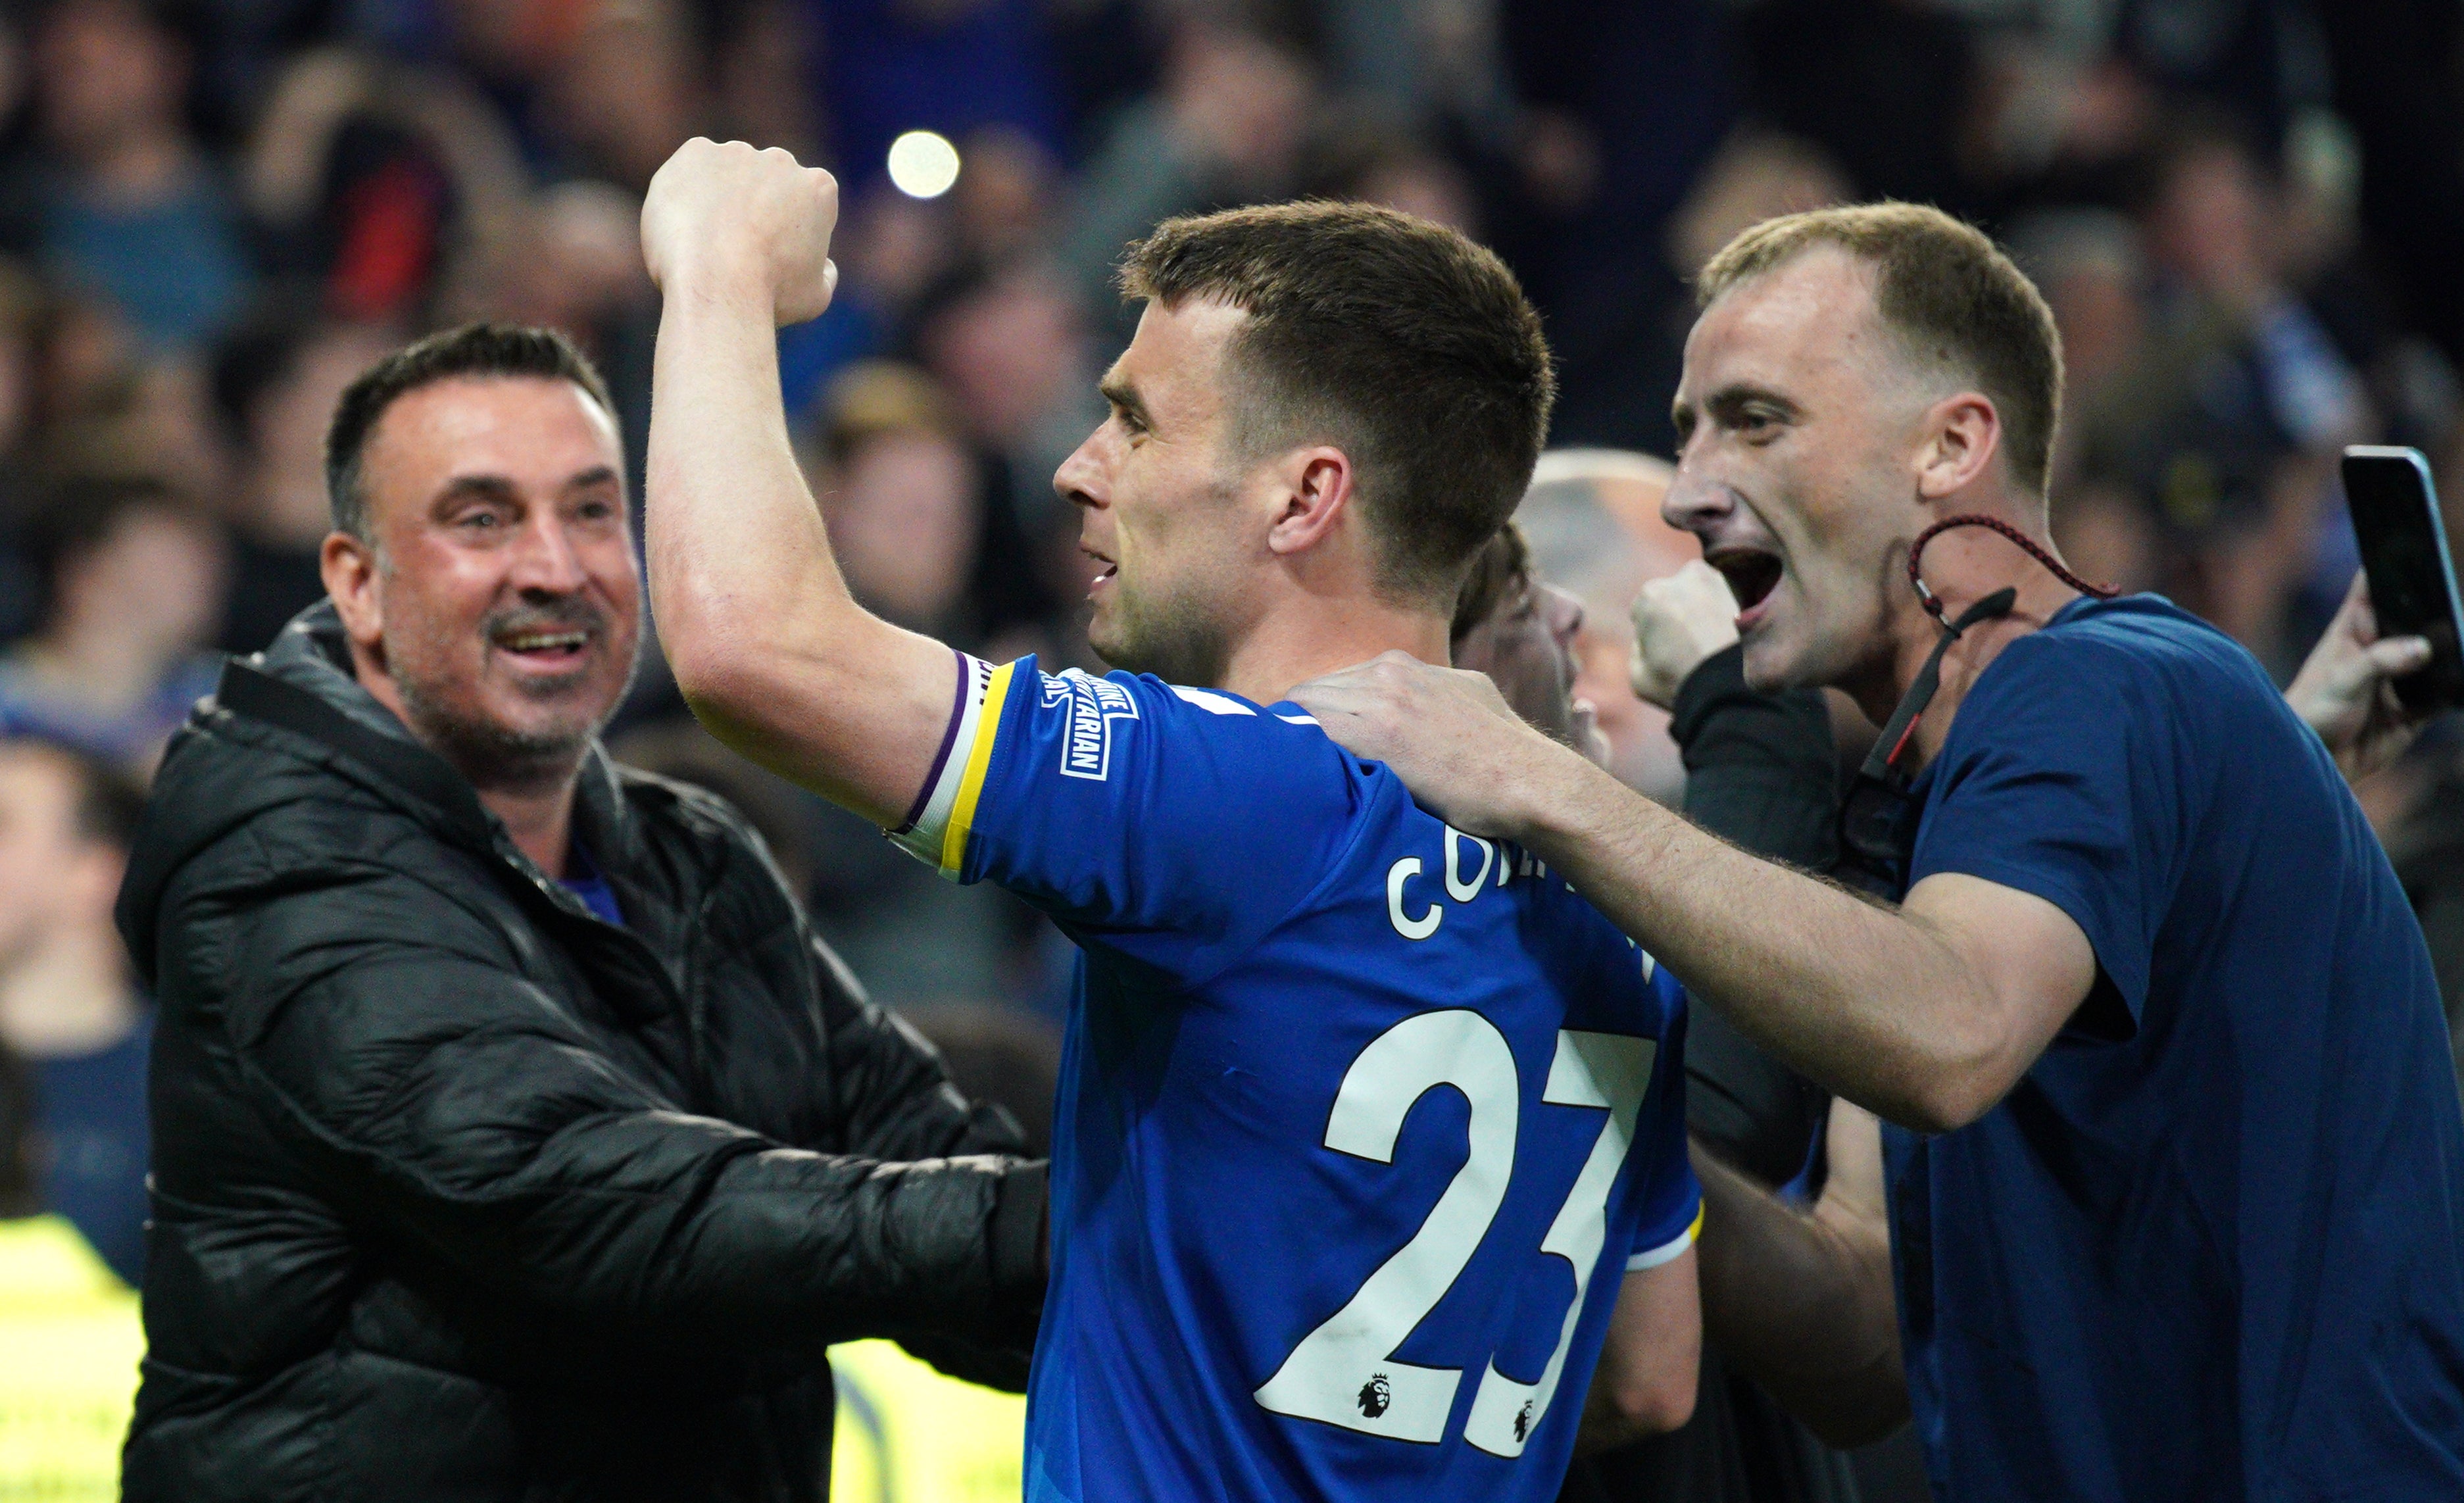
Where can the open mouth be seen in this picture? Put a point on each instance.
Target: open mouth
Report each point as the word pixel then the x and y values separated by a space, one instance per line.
pixel 1752 575
pixel 556 648
pixel 1109 566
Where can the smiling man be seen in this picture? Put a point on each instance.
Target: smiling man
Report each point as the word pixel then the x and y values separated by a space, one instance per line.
pixel 514 1136
pixel 1370 1137
pixel 2177 1184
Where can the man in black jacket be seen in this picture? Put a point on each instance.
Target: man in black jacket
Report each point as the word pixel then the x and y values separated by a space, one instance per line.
pixel 514 1138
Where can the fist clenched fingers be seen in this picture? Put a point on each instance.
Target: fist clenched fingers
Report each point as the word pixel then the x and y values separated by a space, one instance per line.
pixel 1678 622
pixel 724 219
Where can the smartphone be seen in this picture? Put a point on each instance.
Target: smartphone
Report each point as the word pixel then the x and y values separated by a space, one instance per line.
pixel 2412 578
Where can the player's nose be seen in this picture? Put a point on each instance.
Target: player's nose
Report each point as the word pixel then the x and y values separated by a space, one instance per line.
pixel 1080 479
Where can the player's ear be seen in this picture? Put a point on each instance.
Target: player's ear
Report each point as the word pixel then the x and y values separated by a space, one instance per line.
pixel 1317 486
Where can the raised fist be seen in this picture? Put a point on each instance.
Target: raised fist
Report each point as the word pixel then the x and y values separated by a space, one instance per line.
pixel 1678 622
pixel 727 220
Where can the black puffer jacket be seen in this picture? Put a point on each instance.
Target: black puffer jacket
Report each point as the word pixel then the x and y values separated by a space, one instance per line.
pixel 460 1193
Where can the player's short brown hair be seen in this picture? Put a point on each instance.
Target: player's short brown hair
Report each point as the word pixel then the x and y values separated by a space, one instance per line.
pixel 1399 341
pixel 1948 293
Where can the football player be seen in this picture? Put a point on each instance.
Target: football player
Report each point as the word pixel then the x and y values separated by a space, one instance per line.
pixel 1370 1136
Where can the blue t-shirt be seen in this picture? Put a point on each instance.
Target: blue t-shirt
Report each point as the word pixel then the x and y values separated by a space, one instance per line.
pixel 2211 1245
pixel 91 1113
pixel 1362 1121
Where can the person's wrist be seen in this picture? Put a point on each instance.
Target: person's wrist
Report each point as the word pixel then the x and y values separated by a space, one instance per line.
pixel 1548 794
pixel 716 278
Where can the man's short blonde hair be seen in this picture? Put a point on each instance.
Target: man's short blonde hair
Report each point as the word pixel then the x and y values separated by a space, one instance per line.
pixel 1949 293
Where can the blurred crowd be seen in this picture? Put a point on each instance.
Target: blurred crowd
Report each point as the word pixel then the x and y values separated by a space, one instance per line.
pixel 2247 214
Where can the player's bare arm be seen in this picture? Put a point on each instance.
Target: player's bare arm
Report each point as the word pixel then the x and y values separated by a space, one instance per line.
pixel 767 645
pixel 1926 1014
pixel 1644 1384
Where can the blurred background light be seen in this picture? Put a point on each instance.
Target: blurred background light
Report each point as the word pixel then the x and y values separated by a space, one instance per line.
pixel 923 164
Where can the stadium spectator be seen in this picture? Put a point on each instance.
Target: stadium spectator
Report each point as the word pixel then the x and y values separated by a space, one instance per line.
pixel 123 200
pixel 2058 1007
pixel 132 587
pixel 1368 159
pixel 374 179
pixel 1592 518
pixel 625 91
pixel 68 1004
pixel 1003 204
pixel 24 311
pixel 506 1094
pixel 2226 423
pixel 1520 630
pixel 1009 344
pixel 69 1325
pixel 903 495
pixel 1227 126
pixel 275 379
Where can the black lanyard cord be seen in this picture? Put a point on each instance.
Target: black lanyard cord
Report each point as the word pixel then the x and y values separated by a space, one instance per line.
pixel 1884 761
pixel 1873 818
pixel 1893 743
pixel 2025 543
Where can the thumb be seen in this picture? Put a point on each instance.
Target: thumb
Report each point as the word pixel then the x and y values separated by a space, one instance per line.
pixel 2397 656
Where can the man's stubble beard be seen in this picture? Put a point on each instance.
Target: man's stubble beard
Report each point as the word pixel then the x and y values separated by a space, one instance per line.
pixel 1179 635
pixel 493 755
pixel 1175 638
pixel 490 754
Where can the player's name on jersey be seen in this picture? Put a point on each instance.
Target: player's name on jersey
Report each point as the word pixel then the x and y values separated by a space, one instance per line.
pixel 1466 876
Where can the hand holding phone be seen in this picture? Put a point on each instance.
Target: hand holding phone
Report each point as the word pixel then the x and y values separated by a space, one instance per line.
pixel 2345 691
pixel 2412 575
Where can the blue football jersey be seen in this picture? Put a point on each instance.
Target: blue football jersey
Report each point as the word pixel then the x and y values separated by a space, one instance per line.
pixel 1361 1119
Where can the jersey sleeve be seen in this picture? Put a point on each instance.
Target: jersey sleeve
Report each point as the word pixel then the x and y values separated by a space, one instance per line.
pixel 1173 826
pixel 2063 779
pixel 1672 1199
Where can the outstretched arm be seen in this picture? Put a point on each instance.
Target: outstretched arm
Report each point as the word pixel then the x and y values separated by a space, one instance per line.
pixel 1927 1013
pixel 767 646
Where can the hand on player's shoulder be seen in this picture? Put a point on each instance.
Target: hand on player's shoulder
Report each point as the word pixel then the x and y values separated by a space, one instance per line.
pixel 725 219
pixel 1447 732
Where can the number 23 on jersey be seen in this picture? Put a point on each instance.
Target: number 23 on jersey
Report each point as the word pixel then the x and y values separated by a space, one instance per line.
pixel 1344 1372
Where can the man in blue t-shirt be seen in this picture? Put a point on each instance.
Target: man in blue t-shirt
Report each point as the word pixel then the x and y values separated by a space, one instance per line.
pixel 1369 1149
pixel 2177 1180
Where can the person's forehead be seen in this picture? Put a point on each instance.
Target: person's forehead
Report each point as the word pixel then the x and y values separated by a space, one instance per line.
pixel 1811 317
pixel 1176 360
pixel 538 429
